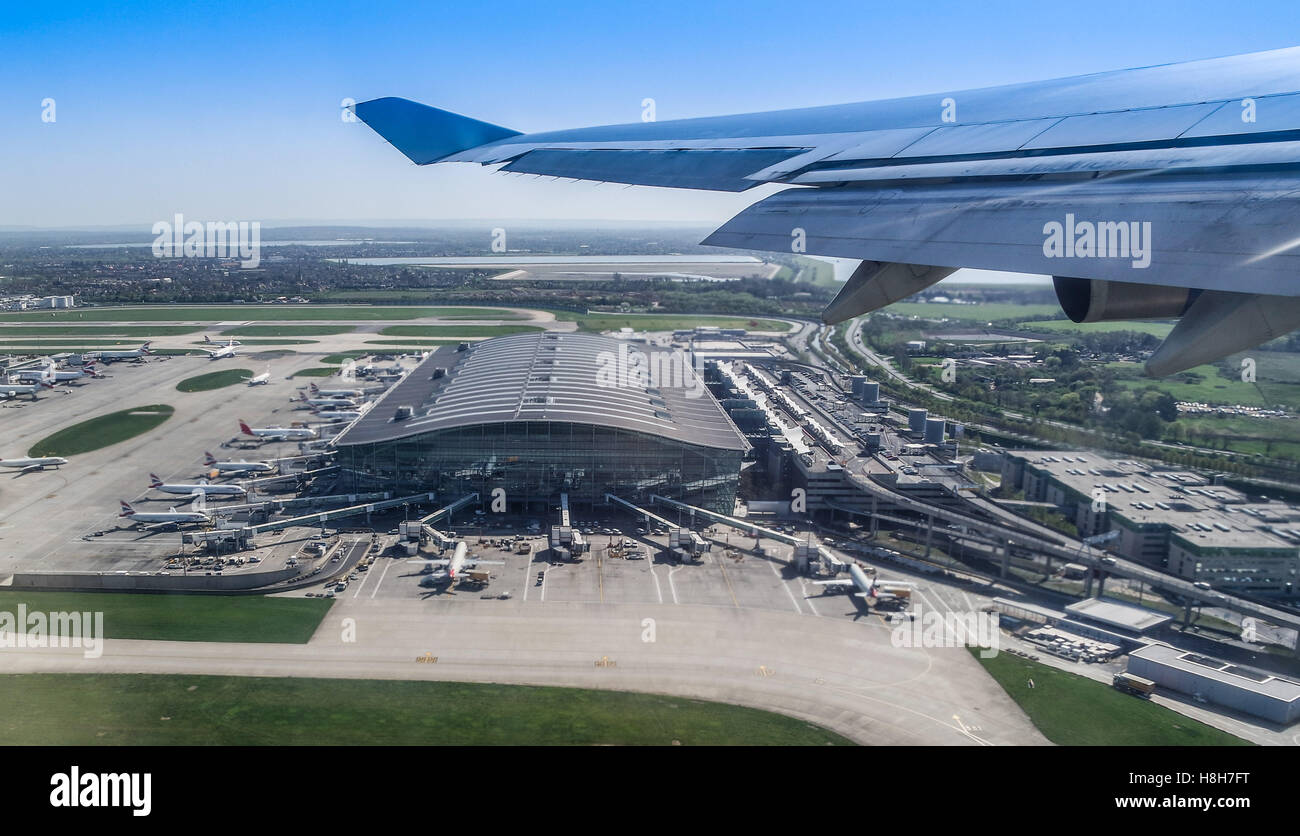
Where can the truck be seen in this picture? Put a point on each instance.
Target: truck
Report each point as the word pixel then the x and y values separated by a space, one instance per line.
pixel 1136 685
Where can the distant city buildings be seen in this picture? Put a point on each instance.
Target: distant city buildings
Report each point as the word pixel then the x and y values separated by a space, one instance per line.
pixel 29 302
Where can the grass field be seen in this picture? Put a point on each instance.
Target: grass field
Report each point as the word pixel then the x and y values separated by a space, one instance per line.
pixel 397 346
pixel 343 356
pixel 138 709
pixel 983 312
pixel 1073 710
pixel 1211 388
pixel 192 618
pixel 597 322
pixel 102 431
pixel 287 330
pixel 125 331
pixel 1155 329
pixel 456 330
pixel 281 313
pixel 214 380
pixel 316 371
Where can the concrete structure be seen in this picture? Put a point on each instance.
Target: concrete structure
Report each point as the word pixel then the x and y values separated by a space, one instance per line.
pixel 1232 686
pixel 1174 520
pixel 537 415
pixel 1114 614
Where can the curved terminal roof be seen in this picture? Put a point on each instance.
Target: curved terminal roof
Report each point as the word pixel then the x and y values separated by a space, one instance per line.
pixel 576 378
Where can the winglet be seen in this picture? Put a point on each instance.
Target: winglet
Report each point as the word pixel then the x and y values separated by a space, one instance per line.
pixel 426 134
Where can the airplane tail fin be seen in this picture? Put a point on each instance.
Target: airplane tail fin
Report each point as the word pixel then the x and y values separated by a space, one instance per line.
pixel 127 510
pixel 244 428
pixel 426 134
pixel 154 481
pixel 207 339
pixel 144 349
pixel 209 459
pixel 315 390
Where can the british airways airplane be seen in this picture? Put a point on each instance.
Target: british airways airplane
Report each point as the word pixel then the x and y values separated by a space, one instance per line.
pixel 1164 192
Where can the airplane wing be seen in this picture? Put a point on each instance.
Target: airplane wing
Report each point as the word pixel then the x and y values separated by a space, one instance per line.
pixel 1156 193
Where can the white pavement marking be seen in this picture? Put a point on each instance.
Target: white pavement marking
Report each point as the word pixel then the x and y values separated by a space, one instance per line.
pixel 382 575
pixel 658 590
pixel 803 588
pixel 672 587
pixel 786 587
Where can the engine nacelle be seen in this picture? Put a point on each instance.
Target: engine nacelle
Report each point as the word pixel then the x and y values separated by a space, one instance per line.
pixel 1098 300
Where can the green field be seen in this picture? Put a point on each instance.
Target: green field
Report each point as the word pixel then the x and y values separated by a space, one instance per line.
pixel 1155 329
pixel 126 331
pixel 597 322
pixel 982 312
pixel 1073 710
pixel 279 313
pixel 344 356
pixel 214 380
pixel 287 330
pixel 102 431
pixel 317 371
pixel 456 330
pixel 1210 388
pixel 186 618
pixel 394 345
pixel 267 342
pixel 182 710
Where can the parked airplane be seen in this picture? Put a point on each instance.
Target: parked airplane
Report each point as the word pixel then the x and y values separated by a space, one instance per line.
pixel 1165 192
pixel 334 416
pixel 30 465
pixel 13 390
pixel 327 403
pixel 170 517
pixel 277 433
pixel 48 372
pixel 317 392
pixel 236 467
pixel 227 350
pixel 137 355
pixel 455 566
pixel 868 586
pixel 262 379
pixel 201 487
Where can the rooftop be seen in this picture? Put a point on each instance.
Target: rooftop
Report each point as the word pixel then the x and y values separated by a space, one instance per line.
pixel 576 378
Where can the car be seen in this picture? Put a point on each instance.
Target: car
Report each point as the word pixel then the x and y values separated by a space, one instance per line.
pixel 1202 585
pixel 1109 561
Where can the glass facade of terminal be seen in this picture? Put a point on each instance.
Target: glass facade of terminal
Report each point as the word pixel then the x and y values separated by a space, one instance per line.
pixel 538 460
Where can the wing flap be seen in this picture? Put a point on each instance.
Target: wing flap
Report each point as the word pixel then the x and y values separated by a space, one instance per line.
pixel 714 169
pixel 1189 231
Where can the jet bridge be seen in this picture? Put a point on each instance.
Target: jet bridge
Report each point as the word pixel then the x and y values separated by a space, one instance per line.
pixel 413 531
pixel 339 513
pixel 803 549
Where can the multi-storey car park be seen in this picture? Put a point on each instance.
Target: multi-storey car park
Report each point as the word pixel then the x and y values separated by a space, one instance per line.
pixel 1169 519
pixel 540 415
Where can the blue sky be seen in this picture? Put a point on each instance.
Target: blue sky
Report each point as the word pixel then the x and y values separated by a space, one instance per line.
pixel 231 110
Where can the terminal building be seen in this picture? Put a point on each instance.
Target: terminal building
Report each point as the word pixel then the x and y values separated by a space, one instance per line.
pixel 1177 521
pixel 544 414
